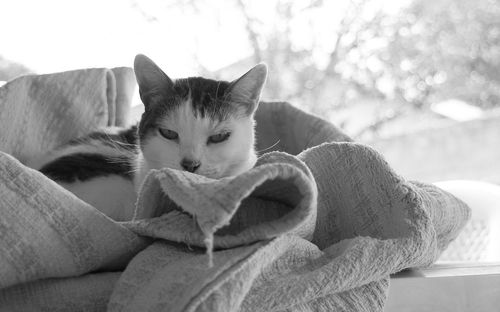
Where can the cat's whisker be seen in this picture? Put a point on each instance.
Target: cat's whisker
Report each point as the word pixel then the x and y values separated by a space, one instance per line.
pixel 119 144
pixel 133 171
pixel 270 147
pixel 217 90
pixel 119 160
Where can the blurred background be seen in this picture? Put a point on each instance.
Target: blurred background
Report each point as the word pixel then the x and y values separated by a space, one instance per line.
pixel 418 80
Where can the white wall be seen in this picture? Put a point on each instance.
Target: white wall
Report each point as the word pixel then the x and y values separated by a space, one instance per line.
pixel 467 150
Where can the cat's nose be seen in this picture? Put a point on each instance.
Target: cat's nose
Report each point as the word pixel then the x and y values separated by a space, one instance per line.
pixel 190 165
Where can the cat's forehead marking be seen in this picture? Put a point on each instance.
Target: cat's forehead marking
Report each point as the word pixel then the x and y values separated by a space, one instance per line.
pixel 185 119
pixel 207 97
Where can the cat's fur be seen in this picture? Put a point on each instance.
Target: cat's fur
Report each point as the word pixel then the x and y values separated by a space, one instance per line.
pixel 194 124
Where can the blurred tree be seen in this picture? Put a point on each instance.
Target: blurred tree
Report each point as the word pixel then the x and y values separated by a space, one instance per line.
pixel 434 50
pixel 10 70
pixel 301 45
pixel 327 55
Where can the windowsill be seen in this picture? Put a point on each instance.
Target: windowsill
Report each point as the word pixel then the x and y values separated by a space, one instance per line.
pixel 446 287
pixel 451 269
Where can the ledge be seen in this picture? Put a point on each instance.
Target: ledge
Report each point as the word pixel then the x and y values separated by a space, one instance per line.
pixel 457 287
pixel 451 269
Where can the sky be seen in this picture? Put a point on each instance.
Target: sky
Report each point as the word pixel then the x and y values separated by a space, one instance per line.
pixel 58 35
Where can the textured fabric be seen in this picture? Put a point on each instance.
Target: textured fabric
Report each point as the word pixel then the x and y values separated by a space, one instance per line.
pixel 48 237
pixel 317 225
pixel 363 223
pixel 39 112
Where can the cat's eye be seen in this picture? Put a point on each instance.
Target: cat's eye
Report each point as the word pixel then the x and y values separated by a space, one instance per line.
pixel 168 134
pixel 218 138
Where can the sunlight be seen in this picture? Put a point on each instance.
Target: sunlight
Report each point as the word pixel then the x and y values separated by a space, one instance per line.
pixel 59 35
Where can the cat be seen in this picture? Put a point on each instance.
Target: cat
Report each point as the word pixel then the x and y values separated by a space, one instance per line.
pixel 194 124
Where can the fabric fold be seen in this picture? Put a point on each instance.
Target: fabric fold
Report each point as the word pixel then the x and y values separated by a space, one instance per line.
pixel 48 232
pixel 275 197
pixel 61 106
pixel 318 224
pixel 370 223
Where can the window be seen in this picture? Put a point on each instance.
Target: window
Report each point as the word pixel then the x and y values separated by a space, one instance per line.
pixel 418 80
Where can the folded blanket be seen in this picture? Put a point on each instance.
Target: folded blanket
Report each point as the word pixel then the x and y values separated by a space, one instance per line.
pixel 316 226
pixel 40 112
pixel 369 223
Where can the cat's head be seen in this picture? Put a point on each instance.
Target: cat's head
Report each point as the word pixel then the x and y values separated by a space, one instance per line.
pixel 196 124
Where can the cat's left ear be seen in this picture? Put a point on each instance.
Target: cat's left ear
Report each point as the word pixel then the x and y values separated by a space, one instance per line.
pixel 246 90
pixel 154 85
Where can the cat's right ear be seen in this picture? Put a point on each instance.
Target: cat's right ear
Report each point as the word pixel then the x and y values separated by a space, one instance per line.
pixel 154 85
pixel 245 91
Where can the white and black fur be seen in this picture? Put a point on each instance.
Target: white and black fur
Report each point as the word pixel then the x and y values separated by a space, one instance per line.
pixel 194 124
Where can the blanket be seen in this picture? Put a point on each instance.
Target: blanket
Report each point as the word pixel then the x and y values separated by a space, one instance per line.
pixel 318 224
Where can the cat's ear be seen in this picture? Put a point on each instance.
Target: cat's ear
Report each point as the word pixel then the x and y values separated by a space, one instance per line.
pixel 246 90
pixel 154 84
